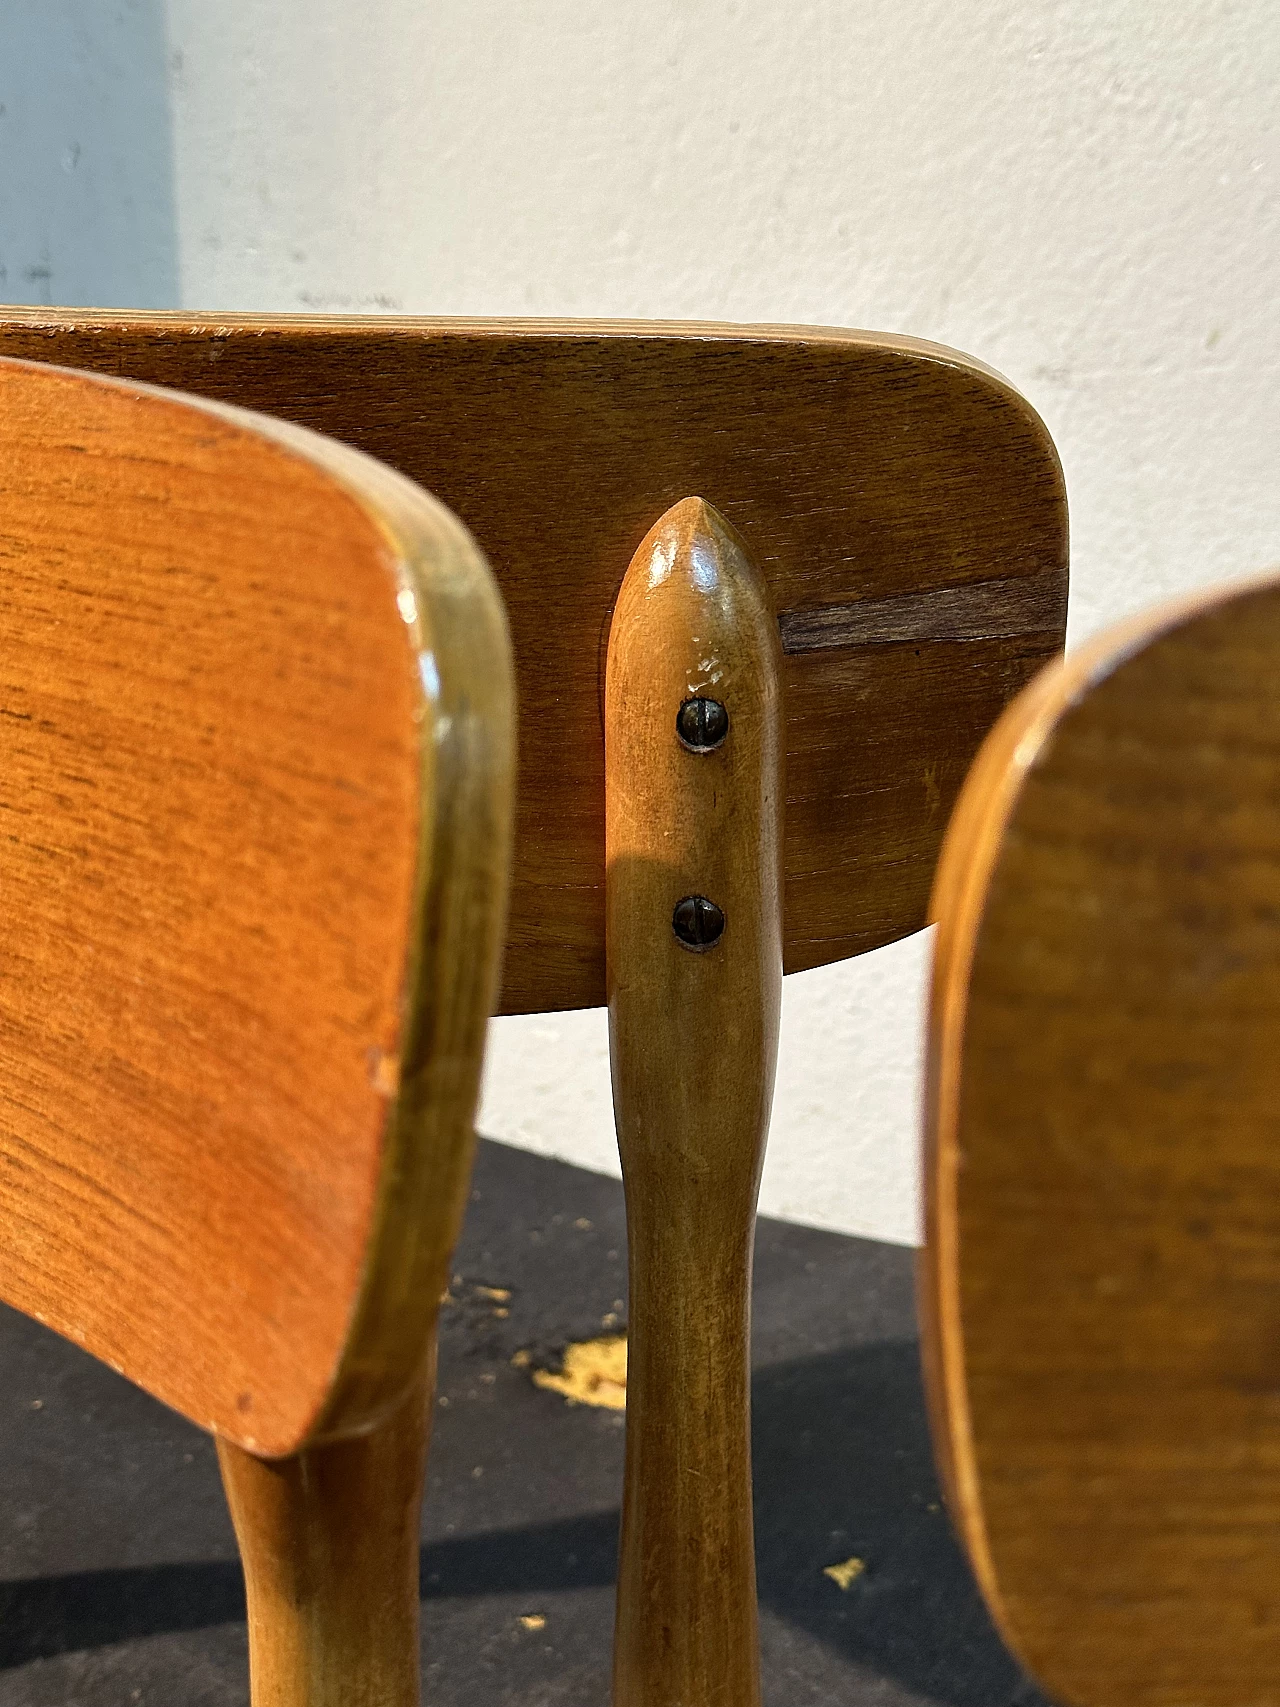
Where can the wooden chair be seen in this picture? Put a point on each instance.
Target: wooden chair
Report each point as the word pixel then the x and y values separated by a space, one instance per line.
pixel 847 553
pixel 1103 1261
pixel 256 739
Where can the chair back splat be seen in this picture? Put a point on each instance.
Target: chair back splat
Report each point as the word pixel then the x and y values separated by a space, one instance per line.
pixel 256 735
pixel 1103 1257
pixel 902 502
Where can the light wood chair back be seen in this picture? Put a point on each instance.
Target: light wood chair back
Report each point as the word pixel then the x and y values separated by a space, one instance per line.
pixel 851 551
pixel 1103 1257
pixel 256 736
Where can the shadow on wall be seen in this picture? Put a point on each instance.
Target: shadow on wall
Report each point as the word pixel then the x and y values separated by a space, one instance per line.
pixel 87 215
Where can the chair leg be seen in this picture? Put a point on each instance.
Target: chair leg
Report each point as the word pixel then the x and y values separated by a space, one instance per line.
pixel 693 808
pixel 329 1542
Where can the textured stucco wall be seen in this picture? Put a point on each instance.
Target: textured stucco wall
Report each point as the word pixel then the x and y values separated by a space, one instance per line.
pixel 1086 194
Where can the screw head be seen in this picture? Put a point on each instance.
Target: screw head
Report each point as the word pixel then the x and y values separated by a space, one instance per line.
pixel 698 923
pixel 702 724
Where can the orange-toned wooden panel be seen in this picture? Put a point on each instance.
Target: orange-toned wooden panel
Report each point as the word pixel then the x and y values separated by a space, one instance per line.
pixel 1103 1261
pixel 237 735
pixel 903 502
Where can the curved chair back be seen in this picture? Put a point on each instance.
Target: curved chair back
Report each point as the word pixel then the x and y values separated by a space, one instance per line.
pixel 1102 1266
pixel 902 502
pixel 257 745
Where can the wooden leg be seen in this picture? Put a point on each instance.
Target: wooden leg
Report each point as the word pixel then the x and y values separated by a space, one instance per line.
pixel 329 1542
pixel 693 792
pixel 686 1616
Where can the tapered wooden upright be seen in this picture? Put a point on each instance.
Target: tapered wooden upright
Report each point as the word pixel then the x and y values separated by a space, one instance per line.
pixel 693 807
pixel 329 1543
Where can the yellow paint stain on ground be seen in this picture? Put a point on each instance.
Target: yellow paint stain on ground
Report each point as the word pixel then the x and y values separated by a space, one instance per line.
pixel 594 1372
pixel 533 1621
pixel 843 1576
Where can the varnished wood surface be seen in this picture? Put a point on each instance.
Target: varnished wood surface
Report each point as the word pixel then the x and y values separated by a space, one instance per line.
pixel 255 736
pixel 989 611
pixel 693 1045
pixel 329 1543
pixel 904 504
pixel 1103 1257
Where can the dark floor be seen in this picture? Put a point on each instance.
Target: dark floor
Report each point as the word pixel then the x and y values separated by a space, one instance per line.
pixel 118 1573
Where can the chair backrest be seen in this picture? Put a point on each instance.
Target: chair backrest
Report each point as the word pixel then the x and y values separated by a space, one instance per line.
pixel 1103 1261
pixel 256 742
pixel 903 503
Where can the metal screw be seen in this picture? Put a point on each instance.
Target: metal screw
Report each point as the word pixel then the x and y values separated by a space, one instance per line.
pixel 702 724
pixel 698 923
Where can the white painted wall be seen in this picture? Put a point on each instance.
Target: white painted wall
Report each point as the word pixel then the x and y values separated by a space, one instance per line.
pixel 1086 193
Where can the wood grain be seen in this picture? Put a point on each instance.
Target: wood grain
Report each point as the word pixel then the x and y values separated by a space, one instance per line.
pixel 329 1540
pixel 1103 1262
pixel 895 495
pixel 255 735
pixel 988 611
pixel 693 1043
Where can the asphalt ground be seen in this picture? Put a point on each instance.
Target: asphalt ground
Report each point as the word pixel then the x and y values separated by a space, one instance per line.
pixel 119 1581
